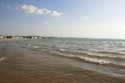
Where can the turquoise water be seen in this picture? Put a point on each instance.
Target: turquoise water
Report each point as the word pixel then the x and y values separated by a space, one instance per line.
pixel 108 55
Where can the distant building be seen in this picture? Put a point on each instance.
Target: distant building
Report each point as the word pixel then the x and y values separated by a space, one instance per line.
pixel 20 37
pixel 9 37
pixel 1 37
pixel 35 37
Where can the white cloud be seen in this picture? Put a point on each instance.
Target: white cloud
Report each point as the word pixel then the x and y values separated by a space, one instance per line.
pixel 31 9
pixel 55 13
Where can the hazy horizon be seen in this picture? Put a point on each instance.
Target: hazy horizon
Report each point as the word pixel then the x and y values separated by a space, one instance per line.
pixel 63 18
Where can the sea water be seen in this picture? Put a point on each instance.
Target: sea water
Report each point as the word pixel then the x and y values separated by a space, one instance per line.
pixel 103 55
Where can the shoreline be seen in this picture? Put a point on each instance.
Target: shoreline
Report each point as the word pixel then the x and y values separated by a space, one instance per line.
pixel 26 66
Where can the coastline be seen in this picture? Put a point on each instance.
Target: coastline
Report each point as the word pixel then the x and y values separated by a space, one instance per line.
pixel 21 65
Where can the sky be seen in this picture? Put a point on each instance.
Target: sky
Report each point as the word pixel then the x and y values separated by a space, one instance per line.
pixel 63 18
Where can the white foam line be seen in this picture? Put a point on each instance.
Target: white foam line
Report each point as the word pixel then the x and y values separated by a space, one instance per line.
pixel 2 59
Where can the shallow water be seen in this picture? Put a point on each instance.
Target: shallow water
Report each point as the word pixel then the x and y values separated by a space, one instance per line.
pixel 107 55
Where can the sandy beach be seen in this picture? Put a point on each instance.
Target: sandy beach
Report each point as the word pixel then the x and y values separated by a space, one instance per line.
pixel 21 65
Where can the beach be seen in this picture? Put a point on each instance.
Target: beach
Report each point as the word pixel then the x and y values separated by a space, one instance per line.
pixel 22 65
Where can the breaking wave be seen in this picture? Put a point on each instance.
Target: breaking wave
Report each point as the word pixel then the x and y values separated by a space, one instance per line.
pixel 92 59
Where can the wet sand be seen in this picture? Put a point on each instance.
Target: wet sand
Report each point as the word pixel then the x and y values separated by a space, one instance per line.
pixel 21 65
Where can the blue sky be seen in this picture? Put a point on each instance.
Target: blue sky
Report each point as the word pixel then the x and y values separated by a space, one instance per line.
pixel 63 18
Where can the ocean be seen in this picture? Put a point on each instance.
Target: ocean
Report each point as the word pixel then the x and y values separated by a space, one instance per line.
pixel 102 55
